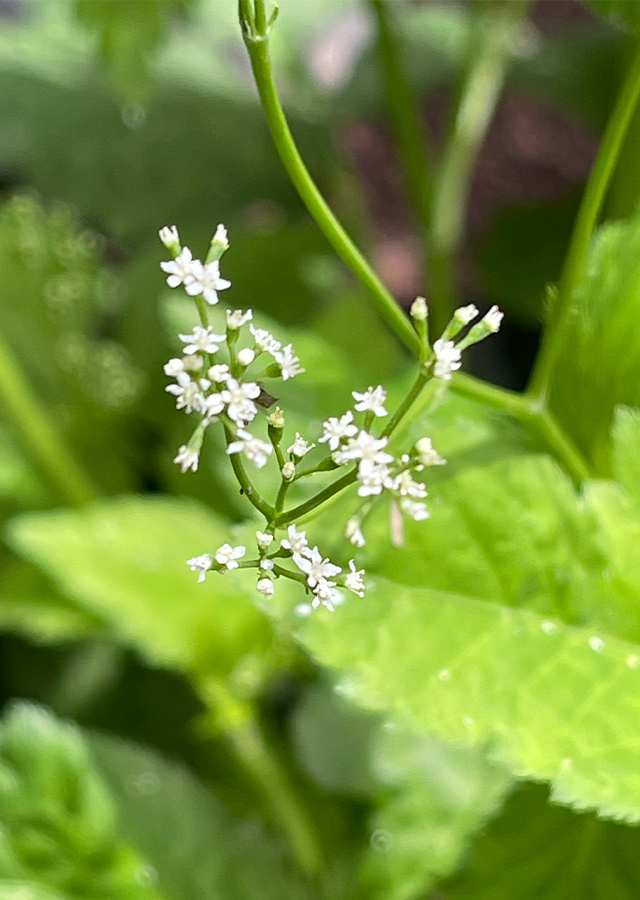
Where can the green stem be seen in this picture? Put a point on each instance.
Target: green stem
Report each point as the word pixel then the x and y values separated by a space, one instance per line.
pixel 312 198
pixel 308 506
pixel 480 95
pixel 586 221
pixel 40 435
pixel 247 488
pixel 406 405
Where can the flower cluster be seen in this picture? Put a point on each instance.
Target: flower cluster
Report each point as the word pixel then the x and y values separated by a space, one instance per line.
pixel 211 379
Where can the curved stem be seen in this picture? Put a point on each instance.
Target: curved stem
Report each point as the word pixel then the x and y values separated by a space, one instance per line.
pixel 245 483
pixel 40 435
pixel 588 214
pixel 406 404
pixel 258 49
pixel 290 515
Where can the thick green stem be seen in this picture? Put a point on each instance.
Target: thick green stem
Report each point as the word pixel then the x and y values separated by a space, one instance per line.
pixel 313 199
pixel 480 95
pixel 40 435
pixel 586 221
pixel 308 506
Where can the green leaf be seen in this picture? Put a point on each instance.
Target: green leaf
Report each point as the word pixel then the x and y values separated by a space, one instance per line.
pixel 598 365
pixel 123 561
pixel 59 835
pixel 621 12
pixel 196 848
pixel 538 850
pixel 626 453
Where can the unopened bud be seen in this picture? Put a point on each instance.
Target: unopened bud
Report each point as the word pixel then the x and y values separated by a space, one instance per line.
pixel 276 418
pixel 170 238
pixel 419 310
pixel 219 244
pixel 246 356
pixel 288 471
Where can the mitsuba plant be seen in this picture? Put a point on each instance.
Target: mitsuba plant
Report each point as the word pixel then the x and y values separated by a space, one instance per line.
pixel 219 379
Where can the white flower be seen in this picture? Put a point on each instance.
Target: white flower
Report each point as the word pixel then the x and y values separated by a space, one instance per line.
pixel 448 359
pixel 188 393
pixel 267 565
pixel 264 539
pixel 372 477
pixel 325 592
pixel 288 362
pixel 169 236
pixel 417 511
pixel 365 447
pixel 220 239
pixel 419 309
pixel 300 446
pixel 296 540
pixel 372 399
pixel 174 367
pixel 202 340
pixel 206 280
pixel 228 556
pixel 219 373
pixel 264 340
pixel 246 356
pixel 465 314
pixel 237 318
pixel 353 532
pixel 314 566
pixel 200 564
pixel 187 458
pixel 254 449
pixel 353 580
pixel 288 471
pixel 265 587
pixel 211 405
pixel 404 485
pixel 493 319
pixel 337 429
pixel 426 453
pixel 180 270
pixel 239 400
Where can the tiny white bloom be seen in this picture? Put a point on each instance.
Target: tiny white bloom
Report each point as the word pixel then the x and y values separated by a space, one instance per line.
pixel 256 450
pixel 466 314
pixel 228 556
pixel 219 373
pixel 288 471
pixel 202 340
pixel 200 564
pixel 220 238
pixel 181 269
pixel 188 393
pixel 267 565
pixel 426 453
pixel 365 447
pixel 192 362
pixel 169 236
pixel 264 340
pixel 174 367
pixel 372 477
pixel 404 485
pixel 315 567
pixel 372 399
pixel 417 511
pixel 211 406
pixel 353 580
pixel 296 541
pixel 236 318
pixel 264 539
pixel 493 319
pixel 206 280
pixel 448 359
pixel 246 356
pixel 239 399
pixel 276 418
pixel 419 309
pixel 303 609
pixel 265 587
pixel 325 592
pixel 288 362
pixel 187 458
pixel 300 446
pixel 337 429
pixel 353 532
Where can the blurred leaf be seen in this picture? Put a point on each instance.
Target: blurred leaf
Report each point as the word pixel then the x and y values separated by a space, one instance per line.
pixel 124 561
pixel 60 834
pixel 626 452
pixel 535 850
pixel 598 364
pixel 621 12
pixel 196 848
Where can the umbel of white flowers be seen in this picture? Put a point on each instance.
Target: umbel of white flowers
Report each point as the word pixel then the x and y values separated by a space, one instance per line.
pixel 218 381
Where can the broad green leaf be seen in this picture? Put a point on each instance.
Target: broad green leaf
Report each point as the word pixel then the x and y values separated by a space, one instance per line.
pixel 626 453
pixel 598 365
pixel 60 835
pixel 622 12
pixel 124 561
pixel 536 850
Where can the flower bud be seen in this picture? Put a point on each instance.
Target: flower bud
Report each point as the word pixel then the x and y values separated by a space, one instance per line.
pixel 219 244
pixel 276 418
pixel 170 238
pixel 288 471
pixel 246 356
pixel 419 310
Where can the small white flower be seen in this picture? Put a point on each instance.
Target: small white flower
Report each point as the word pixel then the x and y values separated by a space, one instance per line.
pixel 372 477
pixel 448 359
pixel 419 309
pixel 466 314
pixel 237 318
pixel 325 592
pixel 276 418
pixel 218 373
pixel 192 362
pixel 296 541
pixel 365 447
pixel 426 453
pixel 181 269
pixel 266 565
pixel 372 399
pixel 228 556
pixel 303 610
pixel 254 449
pixel 211 406
pixel 353 580
pixel 288 362
pixel 206 280
pixel 337 429
pixel 202 340
pixel 417 511
pixel 493 319
pixel 288 471
pixel 200 564
pixel 300 446
pixel 265 341
pixel 264 539
pixel 265 587
pixel 239 399
pixel 404 485
pixel 246 356
pixel 220 239
pixel 353 532
pixel 174 367
pixel 187 458
pixel 188 393
pixel 169 236
pixel 315 567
